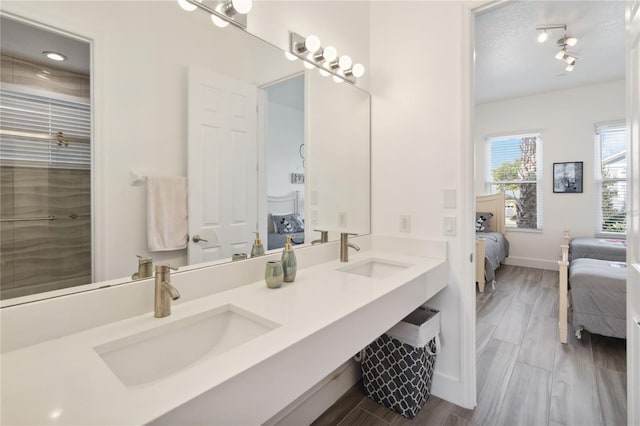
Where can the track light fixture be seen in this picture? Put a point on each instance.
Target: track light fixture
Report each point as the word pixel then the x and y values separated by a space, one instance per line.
pixel 326 59
pixel 563 43
pixel 224 12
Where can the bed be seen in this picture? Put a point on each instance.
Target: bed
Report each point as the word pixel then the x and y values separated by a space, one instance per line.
pixel 491 245
pixel 284 218
pixel 592 291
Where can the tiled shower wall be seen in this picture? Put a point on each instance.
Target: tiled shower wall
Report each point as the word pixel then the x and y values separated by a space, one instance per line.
pixel 43 255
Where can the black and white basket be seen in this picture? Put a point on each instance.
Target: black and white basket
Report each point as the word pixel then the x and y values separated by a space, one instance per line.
pixel 397 368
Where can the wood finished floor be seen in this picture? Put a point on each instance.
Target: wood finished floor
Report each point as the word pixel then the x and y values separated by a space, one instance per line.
pixel 525 375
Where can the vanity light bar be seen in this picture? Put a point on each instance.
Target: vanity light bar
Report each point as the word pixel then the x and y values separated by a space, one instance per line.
pixel 299 47
pixel 238 19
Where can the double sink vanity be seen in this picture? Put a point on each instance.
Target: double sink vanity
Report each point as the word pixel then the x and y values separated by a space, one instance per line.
pixel 232 351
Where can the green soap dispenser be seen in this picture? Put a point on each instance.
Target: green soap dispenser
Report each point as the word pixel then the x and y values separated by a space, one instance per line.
pixel 289 262
pixel 258 248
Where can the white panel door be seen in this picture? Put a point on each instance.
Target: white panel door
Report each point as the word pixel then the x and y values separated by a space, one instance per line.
pixel 633 228
pixel 222 165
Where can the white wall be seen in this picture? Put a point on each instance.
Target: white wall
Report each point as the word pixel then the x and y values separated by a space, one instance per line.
pixel 419 144
pixel 285 134
pixel 142 127
pixel 565 119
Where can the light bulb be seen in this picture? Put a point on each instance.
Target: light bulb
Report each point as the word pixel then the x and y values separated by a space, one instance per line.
pixel 242 6
pixel 560 54
pixel 357 70
pixel 571 41
pixel 324 73
pixel 185 5
pixel 329 53
pixel 312 43
pixel 217 21
pixel 337 79
pixel 308 66
pixel 569 59
pixel 290 56
pixel 543 36
pixel 570 67
pixel 344 62
pixel 54 56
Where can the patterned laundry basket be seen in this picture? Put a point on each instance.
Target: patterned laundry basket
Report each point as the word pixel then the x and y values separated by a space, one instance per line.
pixel 397 368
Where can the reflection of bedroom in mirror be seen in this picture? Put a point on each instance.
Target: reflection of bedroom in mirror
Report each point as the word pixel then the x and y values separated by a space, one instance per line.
pixel 45 160
pixel 284 152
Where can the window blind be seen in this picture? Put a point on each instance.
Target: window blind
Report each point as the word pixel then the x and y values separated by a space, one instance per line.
pixel 33 122
pixel 611 177
pixel 513 165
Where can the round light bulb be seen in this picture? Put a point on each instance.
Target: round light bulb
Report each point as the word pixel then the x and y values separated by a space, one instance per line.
pixel 242 6
pixel 543 36
pixel 290 56
pixel 569 59
pixel 357 70
pixel 185 5
pixel 324 73
pixel 217 21
pixel 571 41
pixel 329 53
pixel 337 79
pixel 560 54
pixel 344 62
pixel 570 67
pixel 308 66
pixel 312 43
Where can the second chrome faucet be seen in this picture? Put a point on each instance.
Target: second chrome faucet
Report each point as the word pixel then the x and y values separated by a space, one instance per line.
pixel 344 246
pixel 164 292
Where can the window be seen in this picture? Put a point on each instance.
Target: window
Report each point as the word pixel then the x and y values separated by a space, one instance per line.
pixel 611 178
pixel 29 124
pixel 514 166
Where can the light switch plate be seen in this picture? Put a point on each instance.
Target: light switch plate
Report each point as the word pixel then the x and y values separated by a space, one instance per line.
pixel 449 226
pixel 342 219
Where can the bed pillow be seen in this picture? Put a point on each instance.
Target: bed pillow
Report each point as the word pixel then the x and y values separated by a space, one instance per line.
pixel 287 223
pixel 483 221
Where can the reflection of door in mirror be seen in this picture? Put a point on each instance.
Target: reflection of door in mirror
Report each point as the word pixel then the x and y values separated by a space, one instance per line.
pixel 284 155
pixel 45 160
pixel 222 155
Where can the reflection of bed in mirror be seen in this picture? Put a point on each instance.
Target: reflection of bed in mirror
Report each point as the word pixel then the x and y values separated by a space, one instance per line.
pixel 284 218
pixel 491 245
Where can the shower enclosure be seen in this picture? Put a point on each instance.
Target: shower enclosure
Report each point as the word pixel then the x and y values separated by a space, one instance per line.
pixel 45 162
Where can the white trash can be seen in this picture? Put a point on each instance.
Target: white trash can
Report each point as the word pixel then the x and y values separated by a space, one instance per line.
pixel 397 368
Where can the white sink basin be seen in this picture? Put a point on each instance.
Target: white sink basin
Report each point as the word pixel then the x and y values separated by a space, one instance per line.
pixel 375 268
pixel 156 353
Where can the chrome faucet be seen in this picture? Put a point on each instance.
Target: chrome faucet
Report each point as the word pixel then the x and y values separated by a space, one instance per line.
pixel 344 246
pixel 165 292
pixel 324 237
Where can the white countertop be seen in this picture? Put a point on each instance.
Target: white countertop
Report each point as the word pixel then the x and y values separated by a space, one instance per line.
pixel 64 380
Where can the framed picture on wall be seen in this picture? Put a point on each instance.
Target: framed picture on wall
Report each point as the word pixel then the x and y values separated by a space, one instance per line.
pixel 567 177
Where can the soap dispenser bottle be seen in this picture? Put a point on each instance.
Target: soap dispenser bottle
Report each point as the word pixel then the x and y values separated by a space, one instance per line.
pixel 289 262
pixel 258 248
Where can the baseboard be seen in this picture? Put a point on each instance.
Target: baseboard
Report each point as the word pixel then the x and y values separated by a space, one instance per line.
pixel 551 265
pixel 310 405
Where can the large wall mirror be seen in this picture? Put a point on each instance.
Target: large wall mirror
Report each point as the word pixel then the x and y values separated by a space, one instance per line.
pixel 308 139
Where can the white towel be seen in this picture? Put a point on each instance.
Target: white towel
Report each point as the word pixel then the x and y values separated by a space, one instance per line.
pixel 167 213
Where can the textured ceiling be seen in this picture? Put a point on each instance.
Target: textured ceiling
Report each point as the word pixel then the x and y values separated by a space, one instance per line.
pixel 510 62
